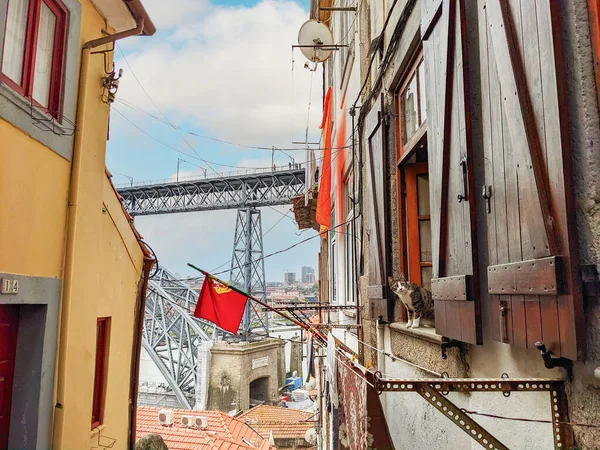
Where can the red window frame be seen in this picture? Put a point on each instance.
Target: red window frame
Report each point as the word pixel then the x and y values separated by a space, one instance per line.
pixel 415 264
pixel 61 12
pixel 102 332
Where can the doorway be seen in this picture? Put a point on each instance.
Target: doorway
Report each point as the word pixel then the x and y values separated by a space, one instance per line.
pixel 9 322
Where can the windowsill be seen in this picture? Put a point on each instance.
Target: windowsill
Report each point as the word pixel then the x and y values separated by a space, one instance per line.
pixel 427 334
pixel 97 430
pixel 39 118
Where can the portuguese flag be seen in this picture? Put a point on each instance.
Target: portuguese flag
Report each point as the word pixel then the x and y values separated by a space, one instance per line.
pixel 220 305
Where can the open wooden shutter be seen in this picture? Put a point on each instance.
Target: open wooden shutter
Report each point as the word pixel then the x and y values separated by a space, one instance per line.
pixel 535 292
pixel 454 284
pixel 377 232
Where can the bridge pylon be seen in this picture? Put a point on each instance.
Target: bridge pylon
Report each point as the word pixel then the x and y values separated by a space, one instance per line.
pixel 248 270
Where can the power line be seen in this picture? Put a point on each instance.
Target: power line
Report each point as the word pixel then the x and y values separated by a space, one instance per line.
pixel 210 138
pixel 208 163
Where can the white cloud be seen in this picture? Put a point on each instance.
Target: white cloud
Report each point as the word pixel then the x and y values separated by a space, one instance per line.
pixel 228 69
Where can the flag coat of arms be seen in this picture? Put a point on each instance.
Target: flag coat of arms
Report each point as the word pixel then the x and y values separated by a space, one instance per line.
pixel 220 305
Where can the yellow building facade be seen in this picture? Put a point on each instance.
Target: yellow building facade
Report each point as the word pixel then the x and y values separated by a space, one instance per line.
pixel 72 267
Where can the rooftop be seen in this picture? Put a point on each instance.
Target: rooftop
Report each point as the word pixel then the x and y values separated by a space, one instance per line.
pixel 222 433
pixel 284 422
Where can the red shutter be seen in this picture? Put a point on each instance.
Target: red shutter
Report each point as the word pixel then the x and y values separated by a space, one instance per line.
pixel 534 287
pixel 377 232
pixel 452 192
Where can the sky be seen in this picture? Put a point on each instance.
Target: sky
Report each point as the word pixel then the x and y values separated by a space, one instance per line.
pixel 219 69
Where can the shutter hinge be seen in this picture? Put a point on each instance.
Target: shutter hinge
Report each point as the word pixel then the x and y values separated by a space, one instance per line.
pixel 590 277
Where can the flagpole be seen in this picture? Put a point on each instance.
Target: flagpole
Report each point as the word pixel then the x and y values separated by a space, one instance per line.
pixel 270 308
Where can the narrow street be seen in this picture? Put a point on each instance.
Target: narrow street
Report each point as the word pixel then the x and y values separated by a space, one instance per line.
pixel 299 224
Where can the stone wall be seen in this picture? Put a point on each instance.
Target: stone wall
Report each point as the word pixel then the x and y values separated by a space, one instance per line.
pixel 235 365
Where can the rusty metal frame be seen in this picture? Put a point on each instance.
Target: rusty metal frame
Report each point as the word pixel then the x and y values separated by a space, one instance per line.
pixel 434 391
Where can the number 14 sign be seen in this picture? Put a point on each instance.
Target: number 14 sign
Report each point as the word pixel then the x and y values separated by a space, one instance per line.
pixel 8 286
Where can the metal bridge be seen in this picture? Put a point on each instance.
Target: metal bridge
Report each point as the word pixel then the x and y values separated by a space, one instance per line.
pixel 171 335
pixel 206 194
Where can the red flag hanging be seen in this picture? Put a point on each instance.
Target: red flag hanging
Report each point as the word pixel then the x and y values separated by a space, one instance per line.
pixel 221 305
pixel 323 215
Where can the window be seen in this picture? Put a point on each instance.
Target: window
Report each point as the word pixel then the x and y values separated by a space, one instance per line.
pixel 332 259
pixel 349 241
pixel 102 332
pixel 414 224
pixel 33 51
pixel 418 224
pixel 412 106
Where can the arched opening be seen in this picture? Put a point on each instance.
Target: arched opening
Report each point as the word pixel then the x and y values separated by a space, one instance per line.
pixel 259 391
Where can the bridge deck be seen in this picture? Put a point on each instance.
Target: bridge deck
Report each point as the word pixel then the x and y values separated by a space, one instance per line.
pixel 205 194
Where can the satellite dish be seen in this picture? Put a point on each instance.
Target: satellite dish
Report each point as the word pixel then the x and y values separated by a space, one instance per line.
pixel 316 33
pixel 310 436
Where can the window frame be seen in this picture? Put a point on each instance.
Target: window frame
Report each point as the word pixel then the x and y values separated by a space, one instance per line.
pixel 100 370
pixel 405 151
pixel 415 264
pixel 56 89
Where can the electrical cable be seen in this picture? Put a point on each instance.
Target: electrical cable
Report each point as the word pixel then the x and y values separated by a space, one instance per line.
pixel 521 419
pixel 210 138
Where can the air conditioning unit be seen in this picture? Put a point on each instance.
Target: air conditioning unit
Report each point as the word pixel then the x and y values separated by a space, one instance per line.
pixel 194 422
pixel 165 417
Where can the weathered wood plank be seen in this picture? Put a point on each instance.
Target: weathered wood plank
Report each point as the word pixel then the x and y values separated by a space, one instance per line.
pixel 534 320
pixel 498 241
pixel 445 128
pixel 572 323
pixel 451 288
pixel 431 11
pixel 533 277
pixel 520 120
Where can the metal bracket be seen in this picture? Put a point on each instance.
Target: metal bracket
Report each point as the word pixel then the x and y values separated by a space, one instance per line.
pixel 446 344
pixel 431 390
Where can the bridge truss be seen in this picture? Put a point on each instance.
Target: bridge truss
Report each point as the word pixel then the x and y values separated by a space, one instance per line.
pixel 171 335
pixel 206 194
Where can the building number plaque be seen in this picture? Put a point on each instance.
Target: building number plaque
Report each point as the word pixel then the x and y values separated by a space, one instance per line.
pixel 8 286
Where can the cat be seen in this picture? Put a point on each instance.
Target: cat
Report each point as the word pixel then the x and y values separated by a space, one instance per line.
pixel 416 299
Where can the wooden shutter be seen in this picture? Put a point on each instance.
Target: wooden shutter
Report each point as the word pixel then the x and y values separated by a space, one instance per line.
pixel 377 232
pixel 454 273
pixel 534 288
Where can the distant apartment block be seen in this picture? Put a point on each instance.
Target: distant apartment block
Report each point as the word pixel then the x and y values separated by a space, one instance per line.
pixel 289 277
pixel 308 274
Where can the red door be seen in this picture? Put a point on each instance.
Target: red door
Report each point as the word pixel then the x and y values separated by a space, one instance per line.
pixel 9 320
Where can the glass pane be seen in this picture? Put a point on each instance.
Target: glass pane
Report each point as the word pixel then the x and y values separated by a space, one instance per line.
pixel 409 110
pixel 43 56
pixel 425 240
pixel 423 194
pixel 14 40
pixel 422 96
pixel 426 277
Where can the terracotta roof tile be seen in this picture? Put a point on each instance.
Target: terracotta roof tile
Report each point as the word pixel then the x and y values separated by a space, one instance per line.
pixel 222 433
pixel 284 422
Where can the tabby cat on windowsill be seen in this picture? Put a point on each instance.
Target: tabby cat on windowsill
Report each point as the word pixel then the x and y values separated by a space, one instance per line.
pixel 416 299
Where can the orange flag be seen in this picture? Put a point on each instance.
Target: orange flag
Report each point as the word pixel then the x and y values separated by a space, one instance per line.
pixel 324 200
pixel 221 305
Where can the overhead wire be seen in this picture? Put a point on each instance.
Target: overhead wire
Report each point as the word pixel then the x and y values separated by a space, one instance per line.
pixel 208 163
pixel 210 138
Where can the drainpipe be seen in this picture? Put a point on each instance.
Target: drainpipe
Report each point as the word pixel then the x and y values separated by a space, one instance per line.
pixel 117 36
pixel 140 308
pixel 76 175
